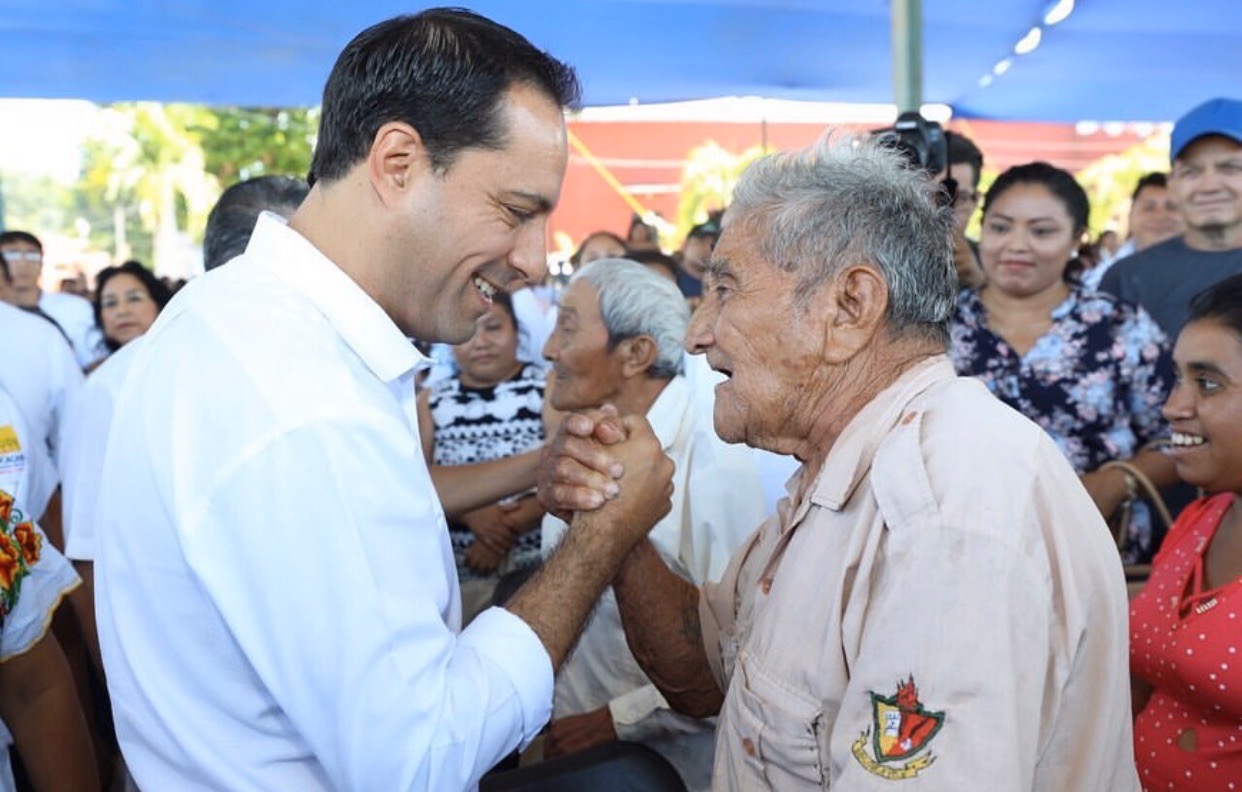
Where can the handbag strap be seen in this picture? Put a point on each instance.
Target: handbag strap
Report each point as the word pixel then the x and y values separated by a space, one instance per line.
pixel 1137 483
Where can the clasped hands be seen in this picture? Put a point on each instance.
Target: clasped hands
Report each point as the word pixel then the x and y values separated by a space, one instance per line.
pixel 604 469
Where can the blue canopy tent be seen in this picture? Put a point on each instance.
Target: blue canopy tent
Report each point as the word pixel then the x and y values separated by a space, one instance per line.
pixel 1107 60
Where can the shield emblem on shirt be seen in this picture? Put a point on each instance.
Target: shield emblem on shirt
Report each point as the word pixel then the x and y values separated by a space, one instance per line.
pixel 903 727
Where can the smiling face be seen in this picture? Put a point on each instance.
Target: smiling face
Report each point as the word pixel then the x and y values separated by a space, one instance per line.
pixel 1154 217
pixel 126 309
pixel 1206 182
pixel 585 371
pixel 1028 238
pixel 740 326
pixel 490 356
pixel 1204 409
pixel 458 236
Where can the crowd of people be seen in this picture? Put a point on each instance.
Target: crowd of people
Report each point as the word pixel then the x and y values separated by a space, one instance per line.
pixel 832 496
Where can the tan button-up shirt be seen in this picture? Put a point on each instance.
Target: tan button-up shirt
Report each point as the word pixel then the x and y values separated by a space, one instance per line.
pixel 941 609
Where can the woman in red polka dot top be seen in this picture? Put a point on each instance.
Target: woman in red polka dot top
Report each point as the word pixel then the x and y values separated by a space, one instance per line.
pixel 1186 624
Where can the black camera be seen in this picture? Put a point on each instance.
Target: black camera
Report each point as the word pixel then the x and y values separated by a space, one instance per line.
pixel 925 147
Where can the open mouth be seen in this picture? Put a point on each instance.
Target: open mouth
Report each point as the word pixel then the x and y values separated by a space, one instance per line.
pixel 485 288
pixel 1184 440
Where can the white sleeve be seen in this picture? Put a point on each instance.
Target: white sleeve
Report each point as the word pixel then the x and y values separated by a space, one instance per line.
pixel 338 594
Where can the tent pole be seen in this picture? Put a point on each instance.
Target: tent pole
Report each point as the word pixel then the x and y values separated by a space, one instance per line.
pixel 907 54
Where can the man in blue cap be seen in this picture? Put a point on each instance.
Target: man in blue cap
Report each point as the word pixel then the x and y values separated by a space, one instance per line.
pixel 1206 183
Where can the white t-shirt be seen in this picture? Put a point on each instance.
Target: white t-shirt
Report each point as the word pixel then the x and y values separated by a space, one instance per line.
pixel 76 317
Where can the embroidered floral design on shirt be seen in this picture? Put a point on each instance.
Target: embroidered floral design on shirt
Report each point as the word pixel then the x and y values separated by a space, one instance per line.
pixel 20 545
pixel 901 727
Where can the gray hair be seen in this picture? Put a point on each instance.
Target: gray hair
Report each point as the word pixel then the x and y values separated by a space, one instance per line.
pixel 635 301
pixel 852 200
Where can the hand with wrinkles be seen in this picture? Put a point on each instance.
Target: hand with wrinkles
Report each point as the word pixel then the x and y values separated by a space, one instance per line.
pixel 578 472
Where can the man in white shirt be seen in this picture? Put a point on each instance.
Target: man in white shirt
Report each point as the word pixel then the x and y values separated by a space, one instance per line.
pixel 278 606
pixel 619 339
pixel 24 253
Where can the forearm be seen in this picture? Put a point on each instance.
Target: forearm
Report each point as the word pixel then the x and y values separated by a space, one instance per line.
pixel 83 601
pixel 1157 467
pixel 556 601
pixel 463 488
pixel 660 614
pixel 39 703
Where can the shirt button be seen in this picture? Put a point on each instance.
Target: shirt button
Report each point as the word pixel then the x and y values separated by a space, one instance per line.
pixel 748 745
pixel 766 585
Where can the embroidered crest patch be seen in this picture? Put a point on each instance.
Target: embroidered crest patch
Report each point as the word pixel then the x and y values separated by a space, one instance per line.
pixel 900 728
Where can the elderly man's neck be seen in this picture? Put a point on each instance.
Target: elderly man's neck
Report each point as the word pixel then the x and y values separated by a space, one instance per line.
pixel 638 394
pixel 847 388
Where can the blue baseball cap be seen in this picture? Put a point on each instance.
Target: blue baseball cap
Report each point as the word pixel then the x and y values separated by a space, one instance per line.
pixel 1213 117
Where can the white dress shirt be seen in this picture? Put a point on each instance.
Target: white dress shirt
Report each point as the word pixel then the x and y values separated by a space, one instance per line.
pixel 278 606
pixel 76 317
pixel 717 503
pixel 39 371
pixel 84 440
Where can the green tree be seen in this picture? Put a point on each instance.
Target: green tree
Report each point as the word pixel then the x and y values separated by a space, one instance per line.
pixel 707 183
pixel 241 143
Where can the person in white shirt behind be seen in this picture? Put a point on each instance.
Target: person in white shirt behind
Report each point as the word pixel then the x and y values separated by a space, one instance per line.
pixel 619 340
pixel 24 253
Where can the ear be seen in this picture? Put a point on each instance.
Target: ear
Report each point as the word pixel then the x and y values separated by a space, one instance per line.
pixel 396 160
pixel 637 355
pixel 860 297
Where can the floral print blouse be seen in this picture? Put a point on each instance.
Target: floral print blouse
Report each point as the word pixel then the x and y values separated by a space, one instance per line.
pixel 1095 381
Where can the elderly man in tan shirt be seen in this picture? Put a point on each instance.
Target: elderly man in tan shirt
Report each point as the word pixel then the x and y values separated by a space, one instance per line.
pixel 937 605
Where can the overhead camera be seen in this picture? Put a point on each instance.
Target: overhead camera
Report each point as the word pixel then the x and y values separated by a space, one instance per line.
pixel 924 146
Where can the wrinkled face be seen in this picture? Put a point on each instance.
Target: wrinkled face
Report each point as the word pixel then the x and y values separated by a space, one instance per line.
pixel 1154 217
pixel 767 346
pixel 600 246
pixel 25 263
pixel 1204 409
pixel 1028 238
pixel 490 356
pixel 464 233
pixel 1206 182
pixel 585 372
pixel 126 308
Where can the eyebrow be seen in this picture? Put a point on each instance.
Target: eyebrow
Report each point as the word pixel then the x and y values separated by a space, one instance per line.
pixel 1205 367
pixel 1047 218
pixel 717 267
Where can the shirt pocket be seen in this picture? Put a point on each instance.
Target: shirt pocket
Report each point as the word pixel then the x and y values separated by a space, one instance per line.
pixel 786 728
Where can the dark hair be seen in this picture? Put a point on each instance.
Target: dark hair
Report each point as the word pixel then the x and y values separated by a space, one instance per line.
pixel 444 72
pixel 1062 185
pixel 1154 179
pixel 576 258
pixel 1220 303
pixel 160 293
pixel 963 150
pixel 233 217
pixel 9 237
pixel 654 258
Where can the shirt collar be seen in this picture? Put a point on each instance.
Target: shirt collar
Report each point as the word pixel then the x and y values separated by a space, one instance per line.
pixel 358 319
pixel 665 412
pixel 850 457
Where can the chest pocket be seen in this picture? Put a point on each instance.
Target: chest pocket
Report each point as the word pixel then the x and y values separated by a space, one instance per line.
pixel 780 733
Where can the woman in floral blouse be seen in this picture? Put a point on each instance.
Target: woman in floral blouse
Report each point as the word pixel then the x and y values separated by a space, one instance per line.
pixel 1088 368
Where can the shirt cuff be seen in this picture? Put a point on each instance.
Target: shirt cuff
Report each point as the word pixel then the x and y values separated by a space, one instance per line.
pixel 516 650
pixel 630 712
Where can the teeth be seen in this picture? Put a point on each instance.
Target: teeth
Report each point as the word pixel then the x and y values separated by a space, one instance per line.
pixel 489 291
pixel 1182 440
